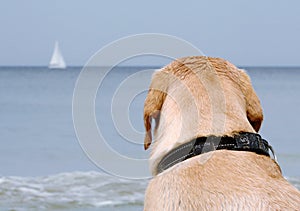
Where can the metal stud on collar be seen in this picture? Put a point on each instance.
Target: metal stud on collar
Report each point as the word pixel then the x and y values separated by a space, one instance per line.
pixel 273 152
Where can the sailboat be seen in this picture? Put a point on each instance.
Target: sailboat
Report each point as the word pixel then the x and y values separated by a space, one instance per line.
pixel 57 61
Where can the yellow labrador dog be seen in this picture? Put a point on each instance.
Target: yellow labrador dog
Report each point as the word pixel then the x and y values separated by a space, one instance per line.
pixel 206 153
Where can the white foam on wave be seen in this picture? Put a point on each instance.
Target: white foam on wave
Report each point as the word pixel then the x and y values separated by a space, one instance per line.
pixel 69 191
pixel 73 191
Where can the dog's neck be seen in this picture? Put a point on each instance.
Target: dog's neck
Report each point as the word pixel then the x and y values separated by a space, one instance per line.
pixel 243 141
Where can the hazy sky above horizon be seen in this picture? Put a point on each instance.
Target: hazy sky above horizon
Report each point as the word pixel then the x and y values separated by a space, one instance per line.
pixel 244 32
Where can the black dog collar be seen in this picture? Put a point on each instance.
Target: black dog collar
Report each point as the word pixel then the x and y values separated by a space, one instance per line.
pixel 243 141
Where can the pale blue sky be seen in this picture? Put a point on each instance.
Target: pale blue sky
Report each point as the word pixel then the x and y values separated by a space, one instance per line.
pixel 245 32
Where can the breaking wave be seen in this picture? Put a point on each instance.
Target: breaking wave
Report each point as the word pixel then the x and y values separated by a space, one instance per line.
pixel 75 191
pixel 70 191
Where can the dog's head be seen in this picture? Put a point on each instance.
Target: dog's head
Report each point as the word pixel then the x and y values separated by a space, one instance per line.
pixel 232 79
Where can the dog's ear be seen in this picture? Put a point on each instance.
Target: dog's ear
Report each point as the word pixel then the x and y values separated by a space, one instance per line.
pixel 153 104
pixel 253 107
pixel 151 111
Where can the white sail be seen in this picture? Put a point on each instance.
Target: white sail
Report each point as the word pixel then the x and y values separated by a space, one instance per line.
pixel 57 61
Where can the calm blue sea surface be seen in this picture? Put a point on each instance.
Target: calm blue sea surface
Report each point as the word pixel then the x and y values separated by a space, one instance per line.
pixel 42 166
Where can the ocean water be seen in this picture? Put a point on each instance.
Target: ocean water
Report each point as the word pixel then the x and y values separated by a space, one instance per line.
pixel 42 166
